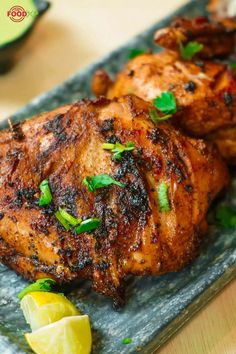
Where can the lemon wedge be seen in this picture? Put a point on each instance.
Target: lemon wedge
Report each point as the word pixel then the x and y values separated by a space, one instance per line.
pixel 41 308
pixel 70 335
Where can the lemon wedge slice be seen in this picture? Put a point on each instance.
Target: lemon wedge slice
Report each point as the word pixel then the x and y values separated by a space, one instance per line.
pixel 70 335
pixel 41 308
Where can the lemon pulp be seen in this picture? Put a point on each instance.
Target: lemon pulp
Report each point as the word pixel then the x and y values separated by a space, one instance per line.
pixel 70 335
pixel 41 308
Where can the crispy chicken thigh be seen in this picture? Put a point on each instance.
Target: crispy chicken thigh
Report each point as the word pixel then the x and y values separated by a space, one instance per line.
pixel 135 237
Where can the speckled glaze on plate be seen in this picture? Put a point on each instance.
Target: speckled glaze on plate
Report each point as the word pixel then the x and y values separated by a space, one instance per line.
pixel 156 307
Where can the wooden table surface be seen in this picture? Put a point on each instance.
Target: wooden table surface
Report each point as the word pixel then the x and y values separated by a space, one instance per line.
pixel 71 35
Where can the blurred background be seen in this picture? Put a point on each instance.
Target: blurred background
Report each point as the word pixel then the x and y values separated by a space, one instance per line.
pixel 69 36
pixel 72 34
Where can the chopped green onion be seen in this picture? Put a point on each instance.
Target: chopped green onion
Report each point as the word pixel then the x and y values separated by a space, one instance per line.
pixel 100 181
pixel 135 52
pixel 62 221
pixel 69 218
pixel 166 103
pixel 46 195
pixel 190 49
pixel 88 225
pixel 118 148
pixel 163 200
pixel 127 340
pixel 226 216
pixel 156 118
pixel 43 285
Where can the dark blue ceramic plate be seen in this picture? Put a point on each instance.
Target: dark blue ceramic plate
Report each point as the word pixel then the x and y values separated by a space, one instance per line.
pixel 157 307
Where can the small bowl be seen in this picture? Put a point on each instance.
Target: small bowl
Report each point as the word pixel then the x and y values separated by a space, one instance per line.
pixel 8 51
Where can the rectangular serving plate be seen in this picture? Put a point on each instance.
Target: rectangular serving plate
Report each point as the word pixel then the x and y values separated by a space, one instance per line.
pixel 157 306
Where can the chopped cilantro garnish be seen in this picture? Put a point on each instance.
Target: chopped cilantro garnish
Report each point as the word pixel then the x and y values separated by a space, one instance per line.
pixel 226 216
pixel 100 181
pixel 46 195
pixel 88 225
pixel 135 52
pixel 166 103
pixel 156 118
pixel 43 285
pixel 118 148
pixel 163 200
pixel 127 340
pixel 190 49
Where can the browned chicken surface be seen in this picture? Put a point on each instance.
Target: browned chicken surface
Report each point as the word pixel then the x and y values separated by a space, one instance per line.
pixel 205 93
pixel 217 39
pixel 135 237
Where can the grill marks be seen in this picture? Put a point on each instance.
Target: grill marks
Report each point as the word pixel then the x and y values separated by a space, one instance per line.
pixel 65 146
pixel 132 200
pixel 17 132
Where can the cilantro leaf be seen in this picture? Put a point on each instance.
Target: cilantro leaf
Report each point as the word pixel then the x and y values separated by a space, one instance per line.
pixel 226 216
pixel 232 65
pixel 190 49
pixel 135 52
pixel 118 149
pixel 42 285
pixel 163 200
pixel 127 340
pixel 166 103
pixel 156 118
pixel 100 181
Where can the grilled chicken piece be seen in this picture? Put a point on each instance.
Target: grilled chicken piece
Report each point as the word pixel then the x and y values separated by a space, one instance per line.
pixel 218 40
pixel 135 237
pixel 205 92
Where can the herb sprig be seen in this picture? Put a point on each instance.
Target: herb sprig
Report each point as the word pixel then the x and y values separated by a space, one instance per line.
pixel 156 118
pixel 190 49
pixel 118 148
pixel 100 181
pixel 165 103
pixel 42 285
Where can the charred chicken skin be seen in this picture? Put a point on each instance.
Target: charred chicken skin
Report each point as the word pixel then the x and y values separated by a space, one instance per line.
pixel 135 237
pixel 205 90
